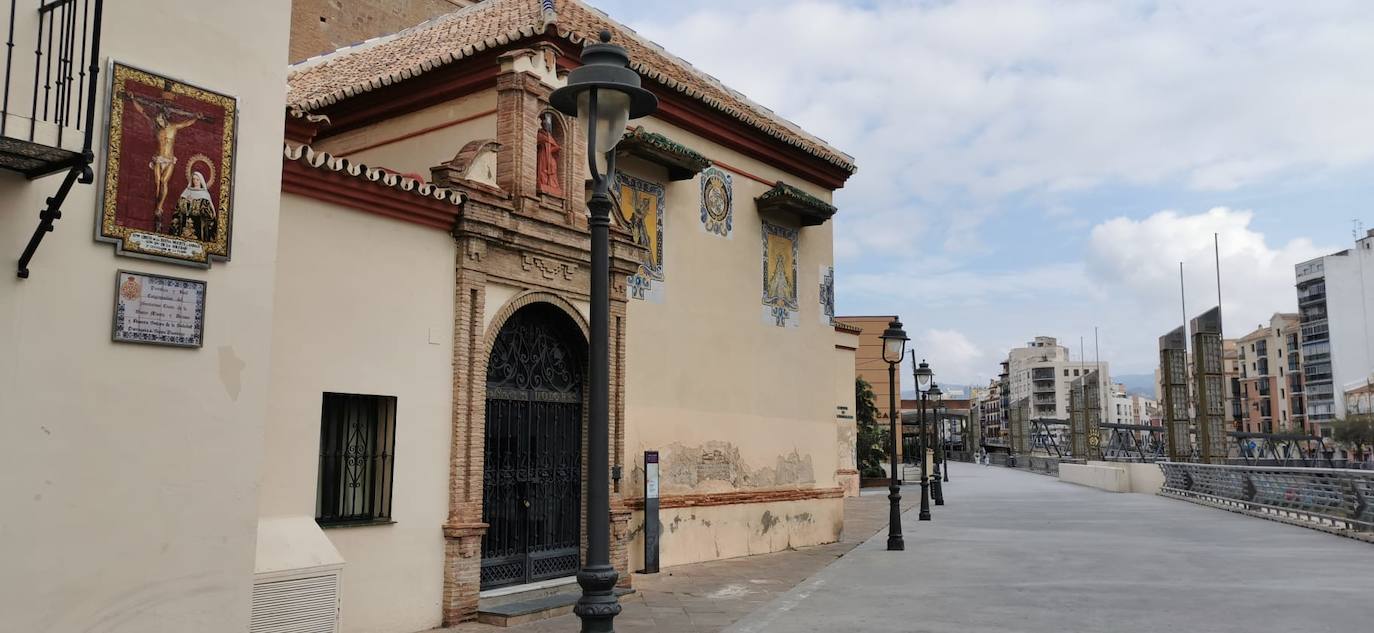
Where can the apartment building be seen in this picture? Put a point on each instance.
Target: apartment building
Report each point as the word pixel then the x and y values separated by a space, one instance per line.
pixel 1334 303
pixel 1271 380
pixel 1130 408
pixel 1042 371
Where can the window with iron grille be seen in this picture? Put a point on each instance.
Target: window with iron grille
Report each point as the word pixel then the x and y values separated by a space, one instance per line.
pixel 357 447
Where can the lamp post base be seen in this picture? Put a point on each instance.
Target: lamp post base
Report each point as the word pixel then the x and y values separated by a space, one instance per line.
pixel 895 542
pixel 598 605
pixel 937 491
pixel 925 501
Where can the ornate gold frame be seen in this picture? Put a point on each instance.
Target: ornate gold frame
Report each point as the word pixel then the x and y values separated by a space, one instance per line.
pixel 108 228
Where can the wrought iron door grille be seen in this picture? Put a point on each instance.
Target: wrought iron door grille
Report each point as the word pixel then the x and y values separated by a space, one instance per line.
pixel 357 447
pixel 532 466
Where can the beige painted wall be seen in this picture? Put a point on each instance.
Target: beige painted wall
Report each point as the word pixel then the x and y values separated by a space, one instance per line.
pixel 379 321
pixel 846 426
pixel 697 534
pixel 130 489
pixel 418 153
pixel 705 373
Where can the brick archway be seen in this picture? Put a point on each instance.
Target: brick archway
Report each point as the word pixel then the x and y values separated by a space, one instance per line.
pixel 519 301
pixel 464 531
pixel 535 395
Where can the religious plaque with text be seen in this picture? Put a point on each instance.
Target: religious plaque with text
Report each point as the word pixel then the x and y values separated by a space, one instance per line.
pixel 159 310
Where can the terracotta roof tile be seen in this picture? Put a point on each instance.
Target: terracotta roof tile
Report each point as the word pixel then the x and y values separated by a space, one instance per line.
pixel 347 72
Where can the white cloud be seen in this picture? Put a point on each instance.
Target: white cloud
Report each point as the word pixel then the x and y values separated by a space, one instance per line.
pixel 959 112
pixel 950 105
pixel 953 356
pixel 1127 287
pixel 1134 267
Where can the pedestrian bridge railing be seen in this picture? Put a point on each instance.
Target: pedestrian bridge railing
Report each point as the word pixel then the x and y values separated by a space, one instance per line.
pixel 1331 497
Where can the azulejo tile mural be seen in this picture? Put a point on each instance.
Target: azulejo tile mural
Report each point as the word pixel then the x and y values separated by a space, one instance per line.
pixel 828 295
pixel 641 205
pixel 780 275
pixel 717 203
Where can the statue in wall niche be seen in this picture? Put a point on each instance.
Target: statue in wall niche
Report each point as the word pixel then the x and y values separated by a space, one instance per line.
pixel 549 151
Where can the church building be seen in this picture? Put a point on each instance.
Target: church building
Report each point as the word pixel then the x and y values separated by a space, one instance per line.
pixel 434 265
pixel 372 416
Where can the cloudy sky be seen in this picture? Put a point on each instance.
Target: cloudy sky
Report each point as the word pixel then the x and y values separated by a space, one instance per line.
pixel 1040 167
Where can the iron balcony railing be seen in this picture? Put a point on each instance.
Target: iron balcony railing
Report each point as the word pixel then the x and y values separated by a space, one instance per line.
pixel 1333 497
pixel 42 115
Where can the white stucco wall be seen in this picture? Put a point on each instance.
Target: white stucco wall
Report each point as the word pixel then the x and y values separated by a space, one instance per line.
pixel 1349 304
pixel 414 142
pixel 365 305
pixel 703 367
pixel 846 429
pixel 130 485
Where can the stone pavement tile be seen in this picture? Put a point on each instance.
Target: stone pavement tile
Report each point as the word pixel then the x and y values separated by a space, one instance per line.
pixel 707 597
pixel 1016 552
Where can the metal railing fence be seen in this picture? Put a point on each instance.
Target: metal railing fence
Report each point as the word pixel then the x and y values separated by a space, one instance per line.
pixel 1330 496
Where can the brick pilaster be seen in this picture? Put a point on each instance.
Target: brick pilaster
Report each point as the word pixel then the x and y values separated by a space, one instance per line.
pixel 462 572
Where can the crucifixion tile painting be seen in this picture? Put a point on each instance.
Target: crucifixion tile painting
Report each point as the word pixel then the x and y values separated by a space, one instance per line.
pixel 169 172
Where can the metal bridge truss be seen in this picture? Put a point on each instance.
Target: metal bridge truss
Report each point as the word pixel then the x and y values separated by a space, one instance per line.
pixel 1279 449
pixel 1040 428
pixel 1134 443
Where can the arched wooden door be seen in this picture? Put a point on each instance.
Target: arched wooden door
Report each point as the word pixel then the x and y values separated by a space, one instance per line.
pixel 532 471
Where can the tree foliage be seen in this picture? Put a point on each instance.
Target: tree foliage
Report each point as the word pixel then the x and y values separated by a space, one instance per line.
pixel 1355 432
pixel 869 437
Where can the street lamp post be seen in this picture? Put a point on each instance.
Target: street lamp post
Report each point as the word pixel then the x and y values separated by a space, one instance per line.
pixel 924 381
pixel 937 492
pixel 945 432
pixel 605 93
pixel 894 348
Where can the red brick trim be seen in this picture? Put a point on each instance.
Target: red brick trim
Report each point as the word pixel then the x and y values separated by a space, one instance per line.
pixel 736 170
pixel 410 135
pixel 740 497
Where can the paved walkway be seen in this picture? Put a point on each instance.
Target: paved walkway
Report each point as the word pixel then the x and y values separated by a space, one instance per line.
pixel 1019 552
pixel 707 597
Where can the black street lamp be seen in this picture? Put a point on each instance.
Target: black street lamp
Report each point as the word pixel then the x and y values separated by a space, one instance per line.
pixel 605 93
pixel 894 348
pixel 937 492
pixel 924 381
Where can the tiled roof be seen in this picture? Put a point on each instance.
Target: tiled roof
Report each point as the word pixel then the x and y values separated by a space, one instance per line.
pixel 306 155
pixel 347 72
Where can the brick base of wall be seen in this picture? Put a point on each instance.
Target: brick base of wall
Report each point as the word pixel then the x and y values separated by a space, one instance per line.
pixel 462 571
